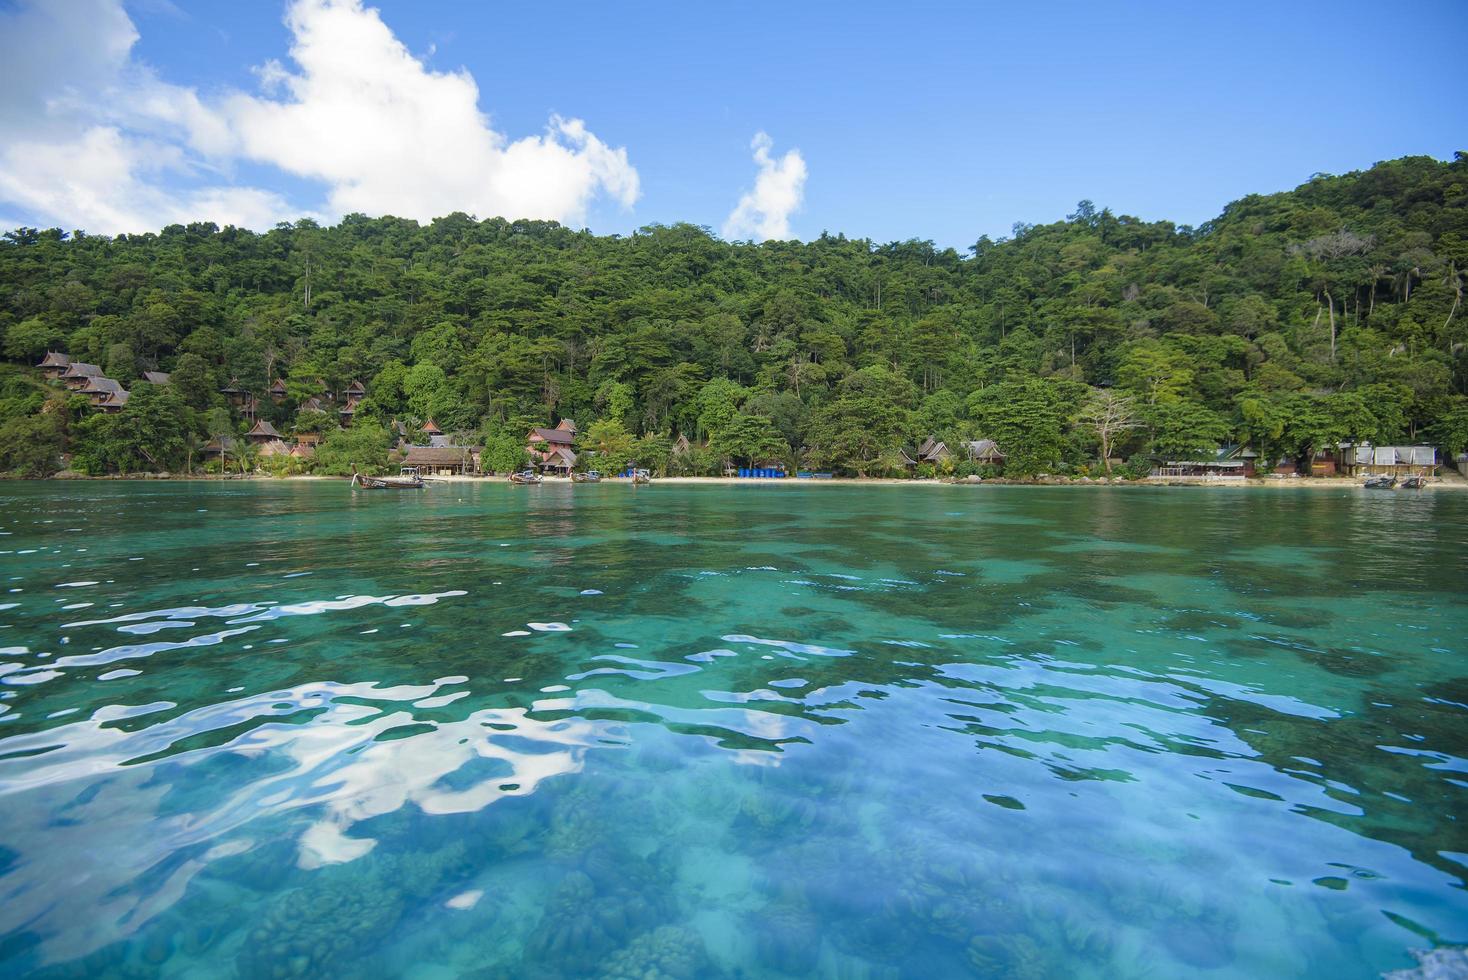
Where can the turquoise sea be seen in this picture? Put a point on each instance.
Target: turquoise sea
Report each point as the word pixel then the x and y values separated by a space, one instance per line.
pixel 282 730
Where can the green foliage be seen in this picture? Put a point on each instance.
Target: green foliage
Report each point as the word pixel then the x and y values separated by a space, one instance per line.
pixel 750 438
pixel 851 350
pixel 1028 419
pixel 606 445
pixel 503 452
pixel 363 446
pixel 150 435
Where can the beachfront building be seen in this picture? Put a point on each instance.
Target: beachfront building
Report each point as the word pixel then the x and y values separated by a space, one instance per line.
pixel 441 460
pixel 1369 460
pixel 550 449
pixel 53 364
pixel 984 451
pixel 1230 462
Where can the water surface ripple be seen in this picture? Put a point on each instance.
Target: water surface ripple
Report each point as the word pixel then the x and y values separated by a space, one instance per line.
pixel 282 730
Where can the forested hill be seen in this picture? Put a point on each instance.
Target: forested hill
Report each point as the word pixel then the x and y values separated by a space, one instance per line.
pixel 1333 311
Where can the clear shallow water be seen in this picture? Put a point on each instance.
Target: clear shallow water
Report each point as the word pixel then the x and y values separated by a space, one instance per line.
pixel 280 730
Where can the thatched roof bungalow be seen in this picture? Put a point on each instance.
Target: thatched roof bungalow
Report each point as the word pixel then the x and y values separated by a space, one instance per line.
pixel 262 432
pixel 445 460
pixel 53 364
pixel 77 374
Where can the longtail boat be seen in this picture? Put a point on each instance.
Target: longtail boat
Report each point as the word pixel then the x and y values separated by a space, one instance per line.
pixel 590 476
pixel 408 478
pixel 525 478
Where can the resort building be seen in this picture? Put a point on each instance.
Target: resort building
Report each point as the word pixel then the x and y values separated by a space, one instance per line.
pixel 277 391
pixel 99 389
pixel 983 451
pixel 115 402
pixel 441 460
pixel 53 364
pixel 550 449
pixel 77 373
pixel 1230 462
pixel 1369 460
pixel 263 432
pixel 157 377
pixel 348 411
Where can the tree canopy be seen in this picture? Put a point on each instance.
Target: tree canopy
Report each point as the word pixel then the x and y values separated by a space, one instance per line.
pixel 1332 311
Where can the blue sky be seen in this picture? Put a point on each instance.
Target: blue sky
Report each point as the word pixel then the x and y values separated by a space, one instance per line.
pixel 942 121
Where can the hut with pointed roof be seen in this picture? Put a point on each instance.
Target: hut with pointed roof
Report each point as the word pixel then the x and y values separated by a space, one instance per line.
pixel 157 377
pixel 114 401
pixel 99 389
pixel 53 364
pixel 277 391
pixel 262 432
pixel 77 374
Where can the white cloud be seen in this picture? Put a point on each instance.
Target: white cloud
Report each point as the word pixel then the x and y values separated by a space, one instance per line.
pixel 118 149
pixel 779 188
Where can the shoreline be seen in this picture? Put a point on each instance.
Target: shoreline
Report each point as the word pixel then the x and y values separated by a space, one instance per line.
pixel 1451 484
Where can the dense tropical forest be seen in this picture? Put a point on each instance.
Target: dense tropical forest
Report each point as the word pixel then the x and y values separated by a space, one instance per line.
pixel 1333 312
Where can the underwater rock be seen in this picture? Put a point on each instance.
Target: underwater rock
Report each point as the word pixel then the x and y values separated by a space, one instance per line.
pixel 1014 956
pixel 1443 963
pixel 339 915
pixel 666 953
pixel 581 926
pixel 787 938
pixel 573 830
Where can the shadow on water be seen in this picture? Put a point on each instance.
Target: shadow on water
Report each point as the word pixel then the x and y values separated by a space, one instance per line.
pixel 281 730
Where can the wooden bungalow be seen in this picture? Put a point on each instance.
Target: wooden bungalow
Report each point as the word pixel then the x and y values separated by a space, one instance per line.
pixel 442 461
pixel 1399 461
pixel 114 402
pixel 933 451
pixel 308 438
pixel 77 373
pixel 274 447
pixel 157 377
pixel 348 411
pixel 277 391
pixel 99 389
pixel 355 390
pixel 233 393
pixel 263 432
pixel 53 364
pixel 303 450
pixel 219 447
pixel 432 429
pixel 681 445
pixel 312 404
pixel 983 451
